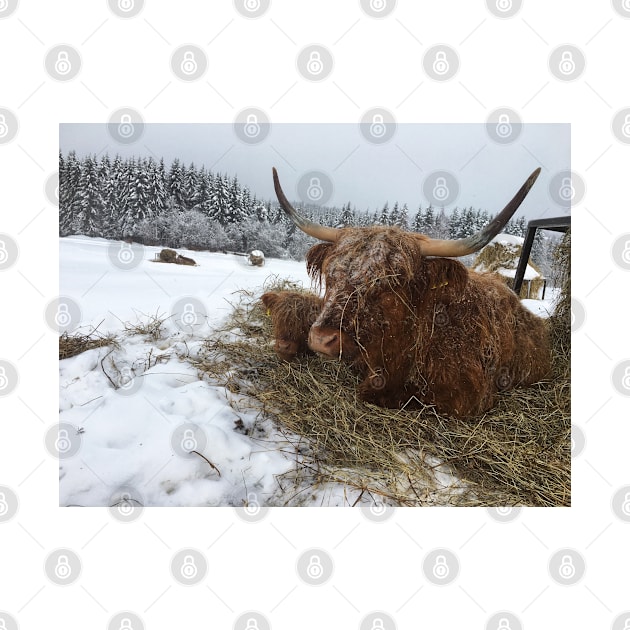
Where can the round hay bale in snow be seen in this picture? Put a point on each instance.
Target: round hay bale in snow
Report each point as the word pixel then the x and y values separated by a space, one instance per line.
pixel 256 258
pixel 167 255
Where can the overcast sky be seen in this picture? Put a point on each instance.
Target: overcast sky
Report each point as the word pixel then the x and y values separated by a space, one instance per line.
pixel 363 173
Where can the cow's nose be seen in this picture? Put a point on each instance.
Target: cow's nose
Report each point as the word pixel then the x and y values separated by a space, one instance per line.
pixel 286 349
pixel 324 341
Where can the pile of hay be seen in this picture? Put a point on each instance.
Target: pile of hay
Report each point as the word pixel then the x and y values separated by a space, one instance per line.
pixel 517 454
pixel 501 257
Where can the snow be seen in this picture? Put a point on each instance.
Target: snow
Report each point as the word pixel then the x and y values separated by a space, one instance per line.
pixel 508 239
pixel 132 437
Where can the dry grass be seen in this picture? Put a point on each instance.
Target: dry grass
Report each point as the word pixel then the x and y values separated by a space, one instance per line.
pixel 516 454
pixel 71 345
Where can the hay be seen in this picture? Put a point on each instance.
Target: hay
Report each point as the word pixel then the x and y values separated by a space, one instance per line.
pixel 516 454
pixel 497 256
pixel 70 345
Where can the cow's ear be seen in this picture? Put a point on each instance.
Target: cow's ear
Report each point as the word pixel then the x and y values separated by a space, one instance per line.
pixel 269 299
pixel 315 259
pixel 446 278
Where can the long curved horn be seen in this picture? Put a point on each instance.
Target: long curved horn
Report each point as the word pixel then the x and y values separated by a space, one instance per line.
pixel 472 244
pixel 312 229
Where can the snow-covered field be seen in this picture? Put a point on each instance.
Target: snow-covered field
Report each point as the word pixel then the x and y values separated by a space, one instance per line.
pixel 133 442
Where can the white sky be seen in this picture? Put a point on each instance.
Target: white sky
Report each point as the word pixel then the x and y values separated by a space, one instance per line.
pixel 367 175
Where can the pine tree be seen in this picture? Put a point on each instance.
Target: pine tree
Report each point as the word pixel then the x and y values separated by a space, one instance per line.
pixel 69 175
pixel 347 217
pixel 88 203
pixel 403 222
pixel 138 200
pixel 383 218
pixel 190 186
pixel 394 215
pixel 176 185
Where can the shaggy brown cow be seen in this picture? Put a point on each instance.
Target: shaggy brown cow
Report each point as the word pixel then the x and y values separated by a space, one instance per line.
pixel 292 314
pixel 419 325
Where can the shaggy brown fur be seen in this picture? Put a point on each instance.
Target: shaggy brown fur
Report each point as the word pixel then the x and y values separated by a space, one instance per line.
pixel 422 327
pixel 292 314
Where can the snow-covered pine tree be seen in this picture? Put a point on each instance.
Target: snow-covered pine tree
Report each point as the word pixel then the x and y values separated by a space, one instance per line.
pixel 403 222
pixel 220 199
pixel 347 216
pixel 176 185
pixel 394 215
pixel 383 218
pixel 190 187
pixel 138 201
pixel 69 175
pixel 157 186
pixel 88 202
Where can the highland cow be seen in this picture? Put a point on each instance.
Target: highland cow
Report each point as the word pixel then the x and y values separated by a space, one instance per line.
pixel 419 326
pixel 292 314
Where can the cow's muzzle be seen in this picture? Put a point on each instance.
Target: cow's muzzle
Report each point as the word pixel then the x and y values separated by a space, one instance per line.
pixel 325 341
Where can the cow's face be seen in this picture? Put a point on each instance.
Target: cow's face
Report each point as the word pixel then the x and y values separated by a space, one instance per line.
pixel 376 281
